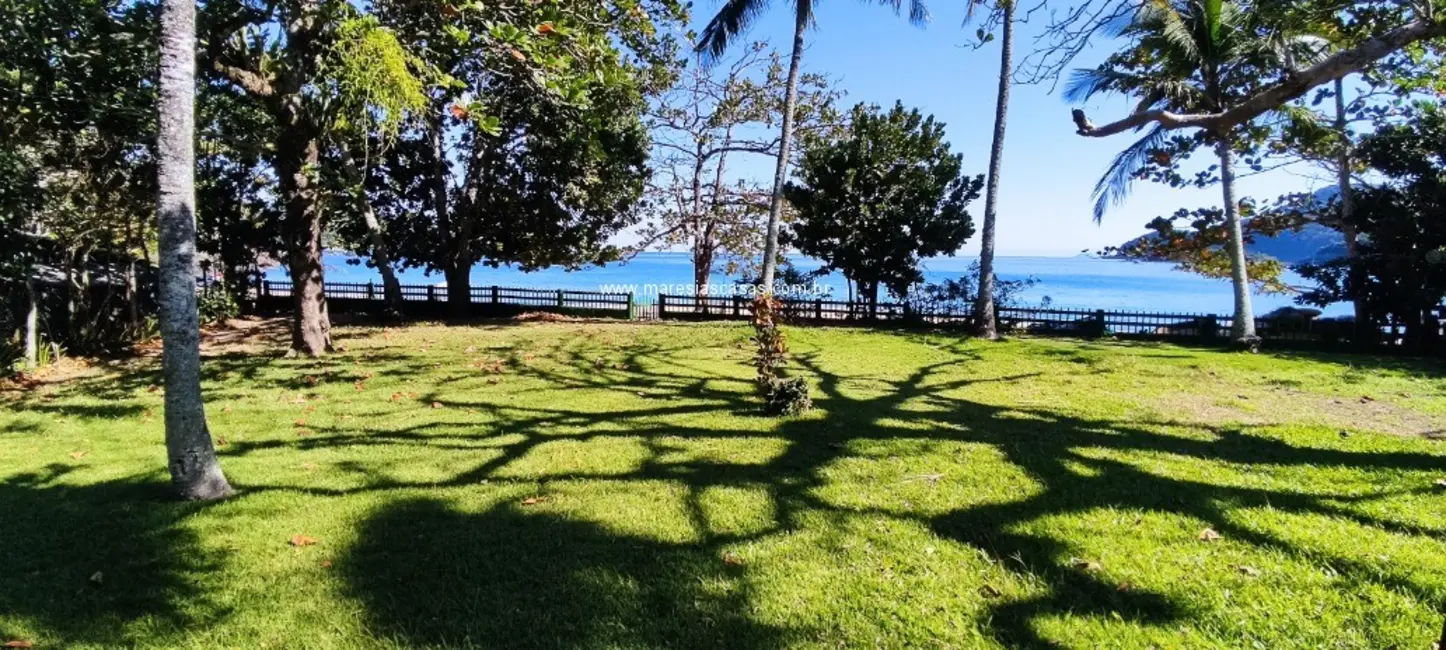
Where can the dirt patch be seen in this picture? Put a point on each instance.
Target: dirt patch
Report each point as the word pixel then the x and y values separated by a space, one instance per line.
pixel 1285 406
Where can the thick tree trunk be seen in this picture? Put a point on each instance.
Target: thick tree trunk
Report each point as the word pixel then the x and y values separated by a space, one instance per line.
pixel 984 303
pixel 195 473
pixel 1355 276
pixel 32 323
pixel 780 176
pixel 1243 328
pixel 297 155
pixel 459 290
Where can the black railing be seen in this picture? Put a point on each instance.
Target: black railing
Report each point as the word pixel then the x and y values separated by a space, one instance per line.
pixel 432 299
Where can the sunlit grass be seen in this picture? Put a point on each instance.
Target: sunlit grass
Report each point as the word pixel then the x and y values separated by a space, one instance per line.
pixel 612 485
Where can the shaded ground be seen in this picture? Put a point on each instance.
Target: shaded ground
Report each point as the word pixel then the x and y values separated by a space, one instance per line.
pixel 592 485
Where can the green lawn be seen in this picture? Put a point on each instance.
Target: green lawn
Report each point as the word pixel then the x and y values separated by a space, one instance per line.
pixel 611 486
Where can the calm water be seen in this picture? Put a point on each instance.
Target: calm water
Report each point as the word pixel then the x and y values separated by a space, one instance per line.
pixel 1068 281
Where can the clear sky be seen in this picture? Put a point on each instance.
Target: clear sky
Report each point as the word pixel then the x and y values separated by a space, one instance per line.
pixel 1049 171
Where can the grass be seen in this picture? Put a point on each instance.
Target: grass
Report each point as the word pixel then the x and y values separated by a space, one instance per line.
pixel 611 486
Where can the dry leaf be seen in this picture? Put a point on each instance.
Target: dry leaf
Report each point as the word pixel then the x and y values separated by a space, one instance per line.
pixel 97 578
pixel 394 397
pixel 1248 570
pixel 77 455
pixel 221 442
pixel 18 643
pixel 990 591
pixel 153 389
pixel 1209 535
pixel 303 432
pixel 226 409
pixel 326 564
pixel 1086 565
pixel 436 405
pixel 1125 587
pixel 303 540
pixel 532 501
pixel 300 422
pixel 729 557
pixel 309 466
pixel 546 28
pixel 360 385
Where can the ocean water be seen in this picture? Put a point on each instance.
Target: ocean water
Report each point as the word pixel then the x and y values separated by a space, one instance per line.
pixel 1068 282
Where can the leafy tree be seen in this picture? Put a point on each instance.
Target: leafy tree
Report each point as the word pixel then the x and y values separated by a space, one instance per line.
pixel 716 116
pixel 729 24
pixel 1191 55
pixel 195 473
pixel 538 155
pixel 1402 255
pixel 872 204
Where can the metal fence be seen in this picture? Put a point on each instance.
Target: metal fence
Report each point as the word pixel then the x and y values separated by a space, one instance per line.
pixel 429 301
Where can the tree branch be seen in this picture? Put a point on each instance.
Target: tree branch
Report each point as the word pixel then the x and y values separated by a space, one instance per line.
pixel 250 81
pixel 1293 86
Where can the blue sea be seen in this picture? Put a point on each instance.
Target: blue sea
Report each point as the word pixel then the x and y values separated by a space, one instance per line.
pixel 1068 282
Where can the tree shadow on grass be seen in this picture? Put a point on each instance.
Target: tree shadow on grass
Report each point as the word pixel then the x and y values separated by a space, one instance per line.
pixel 106 564
pixel 431 575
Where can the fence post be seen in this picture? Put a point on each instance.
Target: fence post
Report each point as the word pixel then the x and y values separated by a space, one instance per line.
pixel 431 293
pixel 494 295
pixel 1211 328
pixel 559 298
pixel 818 309
pixel 1100 327
pixel 266 288
pixel 630 305
pixel 662 305
pixel 737 305
pixel 371 291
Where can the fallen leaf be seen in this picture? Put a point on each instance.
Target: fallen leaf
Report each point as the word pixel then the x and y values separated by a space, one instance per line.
pixel 546 28
pixel 303 432
pixel 77 455
pixel 518 55
pixel 990 591
pixel 326 564
pixel 341 348
pixel 226 409
pixel 1125 587
pixel 97 578
pixel 153 389
pixel 18 643
pixel 1209 535
pixel 436 405
pixel 303 540
pixel 309 466
pixel 1441 483
pixel 360 385
pixel 1366 399
pixel 1248 570
pixel 394 397
pixel 532 501
pixel 1086 565
pixel 729 557
pixel 310 380
pixel 221 442
pixel 300 422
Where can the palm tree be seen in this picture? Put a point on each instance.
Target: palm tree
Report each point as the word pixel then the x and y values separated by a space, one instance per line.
pixel 731 21
pixel 195 473
pixel 984 303
pixel 1191 56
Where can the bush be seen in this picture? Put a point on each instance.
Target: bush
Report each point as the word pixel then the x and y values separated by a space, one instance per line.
pixel 787 397
pixel 216 304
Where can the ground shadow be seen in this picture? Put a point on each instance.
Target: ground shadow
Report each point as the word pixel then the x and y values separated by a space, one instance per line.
pixel 80 565
pixel 507 578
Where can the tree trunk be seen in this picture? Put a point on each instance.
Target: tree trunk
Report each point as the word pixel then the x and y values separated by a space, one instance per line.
pixel 381 255
pixel 785 144
pixel 195 473
pixel 1355 279
pixel 984 303
pixel 1243 328
pixel 459 290
pixel 32 323
pixel 702 268
pixel 298 152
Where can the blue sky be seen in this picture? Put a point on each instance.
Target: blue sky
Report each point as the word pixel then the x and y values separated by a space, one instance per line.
pixel 1048 170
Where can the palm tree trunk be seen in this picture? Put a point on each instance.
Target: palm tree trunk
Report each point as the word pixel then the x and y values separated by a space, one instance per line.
pixel 1347 225
pixel 785 143
pixel 1243 328
pixel 195 473
pixel 984 303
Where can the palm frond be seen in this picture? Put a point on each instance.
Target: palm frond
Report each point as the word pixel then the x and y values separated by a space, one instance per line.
pixel 733 18
pixel 1119 179
pixel 1177 33
pixel 918 11
pixel 1085 83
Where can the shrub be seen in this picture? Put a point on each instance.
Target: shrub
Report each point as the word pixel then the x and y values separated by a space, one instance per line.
pixel 787 397
pixel 216 304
